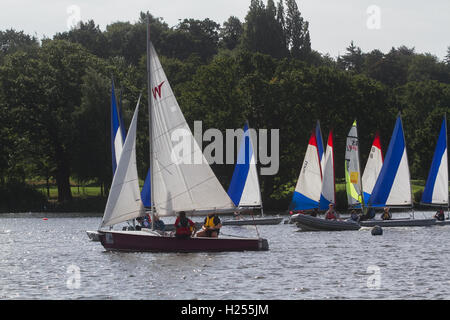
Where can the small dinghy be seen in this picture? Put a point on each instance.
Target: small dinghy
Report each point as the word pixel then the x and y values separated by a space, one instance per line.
pixel 399 223
pixel 309 223
pixel 251 222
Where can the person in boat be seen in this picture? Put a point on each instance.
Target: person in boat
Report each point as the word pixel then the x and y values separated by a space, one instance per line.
pixel 184 227
pixel 211 226
pixel 237 215
pixel 331 213
pixel 440 216
pixel 386 214
pixel 158 224
pixel 354 216
pixel 145 221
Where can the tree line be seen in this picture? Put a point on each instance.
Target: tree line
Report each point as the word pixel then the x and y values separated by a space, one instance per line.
pixel 55 94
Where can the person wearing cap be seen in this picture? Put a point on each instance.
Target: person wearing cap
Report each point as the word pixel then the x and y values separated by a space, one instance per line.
pixel 386 214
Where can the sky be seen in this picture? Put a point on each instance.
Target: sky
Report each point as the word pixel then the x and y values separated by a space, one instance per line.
pixel 371 24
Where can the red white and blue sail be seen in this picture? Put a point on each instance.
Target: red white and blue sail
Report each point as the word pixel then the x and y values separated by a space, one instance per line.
pixel 117 130
pixel 320 145
pixel 309 184
pixel 328 193
pixel 393 186
pixel 244 187
pixel 373 168
pixel 436 188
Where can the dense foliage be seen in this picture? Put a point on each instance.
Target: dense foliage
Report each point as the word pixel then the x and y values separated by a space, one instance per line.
pixel 55 94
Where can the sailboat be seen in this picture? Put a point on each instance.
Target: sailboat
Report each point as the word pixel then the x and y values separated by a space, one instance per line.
pixel 436 187
pixel 353 182
pixel 328 192
pixel 244 188
pixel 393 185
pixel 307 190
pixel 117 140
pixel 179 181
pixel 372 169
pixel 327 197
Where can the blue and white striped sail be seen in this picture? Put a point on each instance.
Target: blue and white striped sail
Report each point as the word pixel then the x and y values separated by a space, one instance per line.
pixel 146 191
pixel 320 145
pixel 393 186
pixel 244 187
pixel 309 184
pixel 328 192
pixel 117 130
pixel 436 188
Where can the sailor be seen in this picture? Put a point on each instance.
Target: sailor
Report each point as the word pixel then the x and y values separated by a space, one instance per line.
pixel 184 227
pixel 386 214
pixel 331 213
pixel 440 215
pixel 211 226
pixel 158 224
pixel 354 216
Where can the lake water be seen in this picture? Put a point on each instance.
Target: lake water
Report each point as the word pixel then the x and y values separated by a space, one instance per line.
pixel 54 259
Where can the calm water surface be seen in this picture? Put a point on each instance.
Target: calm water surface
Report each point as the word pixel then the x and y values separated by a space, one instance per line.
pixel 38 258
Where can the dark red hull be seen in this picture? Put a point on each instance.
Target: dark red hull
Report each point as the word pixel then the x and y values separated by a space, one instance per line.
pixel 144 241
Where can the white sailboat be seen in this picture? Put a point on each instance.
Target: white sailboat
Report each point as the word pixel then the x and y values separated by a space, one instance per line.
pixel 393 186
pixel 328 193
pixel 244 189
pixel 372 169
pixel 352 170
pixel 181 180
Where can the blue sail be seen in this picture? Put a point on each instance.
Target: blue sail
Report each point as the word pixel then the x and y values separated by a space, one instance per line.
pixel 244 187
pixel 117 130
pixel 436 188
pixel 393 186
pixel 319 142
pixel 146 191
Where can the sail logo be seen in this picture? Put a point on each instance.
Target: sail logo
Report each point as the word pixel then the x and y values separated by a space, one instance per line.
pixel 157 90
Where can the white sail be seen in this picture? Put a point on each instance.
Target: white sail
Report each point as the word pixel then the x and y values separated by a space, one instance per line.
pixel 393 186
pixel 124 199
pixel 251 195
pixel 328 194
pixel 352 169
pixel 373 167
pixel 307 191
pixel 178 165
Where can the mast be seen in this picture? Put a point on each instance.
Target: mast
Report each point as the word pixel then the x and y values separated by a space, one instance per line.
pixel 359 170
pixel 257 176
pixel 149 99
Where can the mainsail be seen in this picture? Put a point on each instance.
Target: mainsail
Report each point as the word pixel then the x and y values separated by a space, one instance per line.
pixel 182 180
pixel 320 145
pixel 393 186
pixel 352 169
pixel 373 168
pixel 328 193
pixel 244 187
pixel 307 191
pixel 436 188
pixel 124 201
pixel 117 130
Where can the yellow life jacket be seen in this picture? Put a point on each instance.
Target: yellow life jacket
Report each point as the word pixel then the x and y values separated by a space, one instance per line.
pixel 210 222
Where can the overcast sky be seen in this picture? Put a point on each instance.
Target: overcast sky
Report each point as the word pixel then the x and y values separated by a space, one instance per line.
pixel 373 24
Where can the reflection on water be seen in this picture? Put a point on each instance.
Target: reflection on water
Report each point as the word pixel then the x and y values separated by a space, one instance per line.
pixel 404 263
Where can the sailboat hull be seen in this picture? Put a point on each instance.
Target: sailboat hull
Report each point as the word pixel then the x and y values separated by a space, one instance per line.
pixel 399 223
pixel 144 241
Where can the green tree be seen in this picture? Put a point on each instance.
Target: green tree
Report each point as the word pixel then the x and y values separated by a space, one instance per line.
pixel 230 33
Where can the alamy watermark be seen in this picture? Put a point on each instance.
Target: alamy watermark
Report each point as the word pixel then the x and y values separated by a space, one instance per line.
pixel 74 279
pixel 374 17
pixel 74 19
pixel 184 150
pixel 374 280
